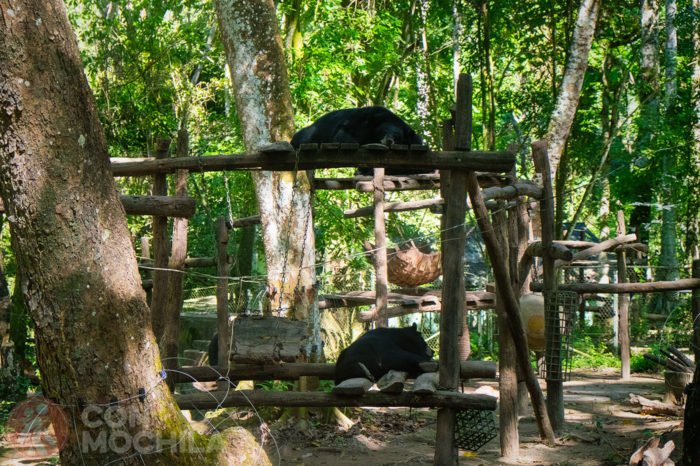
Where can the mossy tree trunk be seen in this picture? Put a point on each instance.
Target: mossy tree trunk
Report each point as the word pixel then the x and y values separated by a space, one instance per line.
pixel 70 238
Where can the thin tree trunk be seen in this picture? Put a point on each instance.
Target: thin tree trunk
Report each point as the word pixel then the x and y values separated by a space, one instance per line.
pixel 667 258
pixel 693 209
pixel 71 241
pixel 254 53
pixel 570 91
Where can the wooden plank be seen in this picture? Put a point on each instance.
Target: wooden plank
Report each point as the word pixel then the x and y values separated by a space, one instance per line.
pixel 258 398
pixel 485 161
pixel 357 386
pixel 268 339
pixel 392 382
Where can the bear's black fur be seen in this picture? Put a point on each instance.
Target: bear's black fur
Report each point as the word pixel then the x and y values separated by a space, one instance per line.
pixel 362 126
pixel 381 350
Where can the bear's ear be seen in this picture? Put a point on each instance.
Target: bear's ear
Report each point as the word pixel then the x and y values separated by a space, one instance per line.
pixel 414 326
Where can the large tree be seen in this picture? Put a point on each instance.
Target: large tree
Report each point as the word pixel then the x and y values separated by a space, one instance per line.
pixel 94 341
pixel 250 32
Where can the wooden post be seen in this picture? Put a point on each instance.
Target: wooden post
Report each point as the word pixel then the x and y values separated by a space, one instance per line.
pixel 519 230
pixel 555 383
pixel 501 273
pixel 173 304
pixel 380 259
pixel 448 126
pixel 146 259
pixel 161 251
pixel 222 267
pixel 453 296
pixel 507 362
pixel 623 302
pixel 691 417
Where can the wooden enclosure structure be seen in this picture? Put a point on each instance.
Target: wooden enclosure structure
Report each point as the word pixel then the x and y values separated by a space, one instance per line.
pixel 498 201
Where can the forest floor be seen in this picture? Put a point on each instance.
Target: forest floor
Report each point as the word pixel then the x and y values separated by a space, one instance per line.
pixel 601 429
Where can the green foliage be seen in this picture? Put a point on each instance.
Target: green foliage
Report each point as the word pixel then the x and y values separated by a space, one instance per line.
pixel 595 355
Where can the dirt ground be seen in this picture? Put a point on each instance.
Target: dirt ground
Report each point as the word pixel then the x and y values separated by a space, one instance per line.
pixel 601 429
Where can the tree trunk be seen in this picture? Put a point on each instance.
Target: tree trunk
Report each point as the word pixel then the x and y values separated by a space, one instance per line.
pixel 667 257
pixel 69 235
pixel 693 217
pixel 570 91
pixel 254 53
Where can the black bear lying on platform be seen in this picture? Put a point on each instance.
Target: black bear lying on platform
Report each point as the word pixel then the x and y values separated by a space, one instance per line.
pixel 380 350
pixel 362 126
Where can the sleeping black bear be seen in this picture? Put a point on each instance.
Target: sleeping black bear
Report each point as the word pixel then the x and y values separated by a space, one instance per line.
pixel 381 350
pixel 365 125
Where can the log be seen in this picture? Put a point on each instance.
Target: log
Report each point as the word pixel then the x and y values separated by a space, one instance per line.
pixel 600 247
pixel 650 454
pixel 654 407
pixel 381 283
pixel 426 384
pixel 245 221
pixel 258 398
pixel 647 287
pixel 353 387
pixel 685 359
pixel 192 262
pixel 665 362
pixel 557 251
pixel 393 207
pixel 473 300
pixel 392 382
pixel 292 371
pixel 398 184
pixel 519 188
pixel 168 206
pixel 492 162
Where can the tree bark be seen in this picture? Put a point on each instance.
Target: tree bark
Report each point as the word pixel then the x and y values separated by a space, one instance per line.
pixel 667 257
pixel 570 91
pixel 70 238
pixel 251 37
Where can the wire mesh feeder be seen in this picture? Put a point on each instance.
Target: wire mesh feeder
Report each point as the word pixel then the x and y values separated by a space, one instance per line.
pixel 408 266
pixel 474 428
pixel 560 309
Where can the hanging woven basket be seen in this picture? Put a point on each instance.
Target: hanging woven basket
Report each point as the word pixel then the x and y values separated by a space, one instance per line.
pixel 409 266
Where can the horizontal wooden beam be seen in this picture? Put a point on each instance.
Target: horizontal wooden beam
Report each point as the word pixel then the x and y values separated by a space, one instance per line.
pixel 258 398
pixel 492 162
pixel 294 370
pixel 615 288
pixel 168 206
